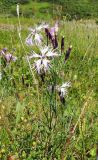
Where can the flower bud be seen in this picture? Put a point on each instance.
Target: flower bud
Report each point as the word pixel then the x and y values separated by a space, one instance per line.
pixel 68 53
pixel 62 44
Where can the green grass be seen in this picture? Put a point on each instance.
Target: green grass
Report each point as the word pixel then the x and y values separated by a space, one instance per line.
pixel 32 10
pixel 33 122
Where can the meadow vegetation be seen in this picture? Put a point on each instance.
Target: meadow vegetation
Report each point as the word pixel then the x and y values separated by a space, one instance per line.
pixel 34 123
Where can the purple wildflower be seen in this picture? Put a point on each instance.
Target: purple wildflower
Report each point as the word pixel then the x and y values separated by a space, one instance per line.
pixel 7 56
pixel 3 51
pixel 35 36
pixel 54 30
pixel 51 34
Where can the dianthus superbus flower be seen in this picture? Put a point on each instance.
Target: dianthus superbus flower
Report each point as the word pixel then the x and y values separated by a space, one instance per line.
pixel 43 63
pixel 7 56
pixel 63 91
pixel 35 37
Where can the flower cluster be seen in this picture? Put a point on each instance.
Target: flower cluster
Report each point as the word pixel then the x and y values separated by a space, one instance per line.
pixel 47 50
pixel 35 38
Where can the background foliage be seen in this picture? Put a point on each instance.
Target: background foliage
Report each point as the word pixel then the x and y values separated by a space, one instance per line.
pixel 71 8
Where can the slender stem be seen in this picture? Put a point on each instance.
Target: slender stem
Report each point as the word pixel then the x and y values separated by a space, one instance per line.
pixel 19 33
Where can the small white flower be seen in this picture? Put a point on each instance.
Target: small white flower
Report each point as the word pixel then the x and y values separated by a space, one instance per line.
pixel 63 90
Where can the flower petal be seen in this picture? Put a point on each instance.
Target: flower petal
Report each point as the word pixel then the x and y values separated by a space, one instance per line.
pixel 67 84
pixel 14 58
pixel 40 27
pixel 52 53
pixel 8 57
pixel 52 32
pixel 56 28
pixel 29 40
pixel 34 55
pixel 44 50
pixel 46 64
pixel 38 65
pixel 38 39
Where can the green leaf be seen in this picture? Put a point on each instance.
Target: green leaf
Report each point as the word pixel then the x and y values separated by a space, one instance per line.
pixel 93 152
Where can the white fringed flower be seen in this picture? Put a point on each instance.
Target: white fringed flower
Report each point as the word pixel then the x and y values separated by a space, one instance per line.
pixel 43 64
pixel 35 36
pixel 63 90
